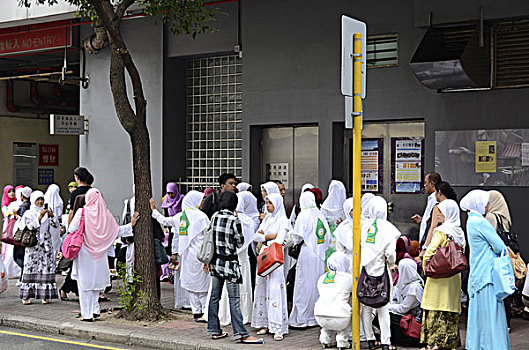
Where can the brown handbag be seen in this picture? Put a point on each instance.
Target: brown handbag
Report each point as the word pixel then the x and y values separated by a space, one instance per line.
pixel 447 261
pixel 26 237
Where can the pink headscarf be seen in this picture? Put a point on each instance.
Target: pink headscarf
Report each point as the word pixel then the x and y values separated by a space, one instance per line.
pixel 101 229
pixel 5 198
pixel 209 191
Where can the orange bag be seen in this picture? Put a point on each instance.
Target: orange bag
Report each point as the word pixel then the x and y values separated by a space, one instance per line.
pixel 270 259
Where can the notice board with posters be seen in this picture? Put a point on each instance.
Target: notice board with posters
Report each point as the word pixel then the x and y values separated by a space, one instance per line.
pixel 24 163
pixel 493 157
pixel 407 164
pixel 372 158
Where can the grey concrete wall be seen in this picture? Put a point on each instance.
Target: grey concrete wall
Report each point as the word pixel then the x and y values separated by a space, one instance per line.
pixel 106 151
pixel 291 75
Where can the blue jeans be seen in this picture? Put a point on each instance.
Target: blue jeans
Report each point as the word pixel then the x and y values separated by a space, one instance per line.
pixel 239 331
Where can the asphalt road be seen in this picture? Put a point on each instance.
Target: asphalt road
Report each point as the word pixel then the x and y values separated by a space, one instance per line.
pixel 16 339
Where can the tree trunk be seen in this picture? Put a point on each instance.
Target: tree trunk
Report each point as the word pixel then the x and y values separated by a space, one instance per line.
pixel 134 122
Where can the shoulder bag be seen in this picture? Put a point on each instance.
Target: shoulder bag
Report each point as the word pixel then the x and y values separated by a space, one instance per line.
pixel 160 256
pixel 509 238
pixel 207 249
pixel 503 276
pixel 447 261
pixel 373 291
pixel 519 266
pixel 74 241
pixel 25 237
pixel 410 326
pixel 7 235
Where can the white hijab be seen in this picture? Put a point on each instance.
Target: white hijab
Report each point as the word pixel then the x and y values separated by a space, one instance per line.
pixel 33 213
pixel 270 187
pixel 276 222
pixel 306 186
pixel 452 224
pixel 332 207
pixel 248 226
pixel 384 231
pixel 244 186
pixel 250 207
pixel 344 231
pixel 198 221
pixel 475 201
pixel 339 262
pixel 312 225
pixel 365 206
pixel 408 275
pixel 53 198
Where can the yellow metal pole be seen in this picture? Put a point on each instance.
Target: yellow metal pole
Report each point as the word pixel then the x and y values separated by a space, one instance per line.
pixel 357 141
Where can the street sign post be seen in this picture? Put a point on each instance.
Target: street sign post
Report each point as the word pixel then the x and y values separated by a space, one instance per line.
pixel 354 35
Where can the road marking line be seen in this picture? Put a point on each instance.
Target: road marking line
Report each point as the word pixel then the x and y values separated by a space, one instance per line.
pixel 60 340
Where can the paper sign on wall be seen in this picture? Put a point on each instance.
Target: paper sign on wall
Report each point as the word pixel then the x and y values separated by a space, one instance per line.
pixel 485 156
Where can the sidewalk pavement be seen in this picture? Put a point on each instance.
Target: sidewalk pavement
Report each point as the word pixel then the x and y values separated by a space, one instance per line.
pixel 60 317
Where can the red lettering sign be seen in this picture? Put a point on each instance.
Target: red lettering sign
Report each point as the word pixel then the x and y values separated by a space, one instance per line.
pixel 53 35
pixel 48 155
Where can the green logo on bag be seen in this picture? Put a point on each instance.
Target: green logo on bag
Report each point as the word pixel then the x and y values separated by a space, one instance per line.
pixel 329 277
pixel 320 232
pixel 184 225
pixel 372 233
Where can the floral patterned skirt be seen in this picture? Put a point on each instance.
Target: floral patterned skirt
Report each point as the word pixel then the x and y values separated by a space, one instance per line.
pixel 440 328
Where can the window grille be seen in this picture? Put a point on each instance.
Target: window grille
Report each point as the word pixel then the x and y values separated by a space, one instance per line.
pixel 214 117
pixel 382 51
pixel 511 54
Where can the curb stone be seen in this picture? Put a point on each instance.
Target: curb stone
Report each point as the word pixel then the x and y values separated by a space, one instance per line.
pixel 105 334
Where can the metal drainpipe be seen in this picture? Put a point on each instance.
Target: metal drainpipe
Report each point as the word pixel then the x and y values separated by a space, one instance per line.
pixel 97 41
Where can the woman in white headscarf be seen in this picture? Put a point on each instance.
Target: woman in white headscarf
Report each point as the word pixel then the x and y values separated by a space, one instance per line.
pixel 332 207
pixel 245 202
pixel 244 186
pixel 53 198
pixel 270 298
pixel 441 301
pixel 486 325
pixel 190 225
pixel 38 278
pixel 344 231
pixel 90 268
pixel 311 228
pixel 295 209
pixel 378 243
pixel 332 310
pixel 266 189
pixel 407 300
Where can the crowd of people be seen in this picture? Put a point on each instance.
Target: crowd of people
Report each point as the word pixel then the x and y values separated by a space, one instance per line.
pixel 401 302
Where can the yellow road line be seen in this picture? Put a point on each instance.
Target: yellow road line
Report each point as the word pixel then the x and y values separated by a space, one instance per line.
pixel 60 341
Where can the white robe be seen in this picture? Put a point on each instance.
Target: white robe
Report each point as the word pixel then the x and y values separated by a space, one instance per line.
pixel 311 261
pixel 90 274
pixel 192 276
pixel 270 297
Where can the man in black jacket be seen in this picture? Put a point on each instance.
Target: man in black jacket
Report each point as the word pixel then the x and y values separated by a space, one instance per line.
pixel 227 182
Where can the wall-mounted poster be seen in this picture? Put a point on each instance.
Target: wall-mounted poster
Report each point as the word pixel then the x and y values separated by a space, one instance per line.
pixel 407 159
pixel 485 156
pixel 372 164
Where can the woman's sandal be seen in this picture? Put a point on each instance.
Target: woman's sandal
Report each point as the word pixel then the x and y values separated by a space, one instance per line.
pixel 262 331
pixel 219 336
pixel 87 319
pixel 45 301
pixel 26 302
pixel 103 298
pixel 373 344
pixel 278 337
pixel 256 341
